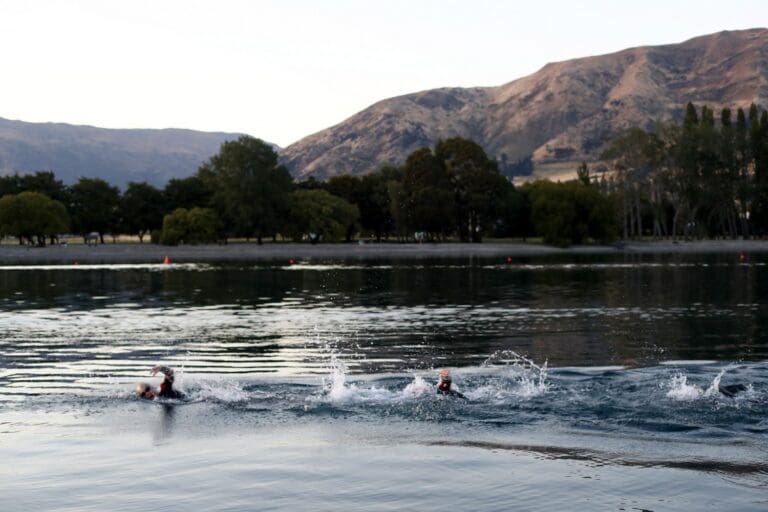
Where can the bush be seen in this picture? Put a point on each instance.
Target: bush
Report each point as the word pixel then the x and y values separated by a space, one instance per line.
pixel 571 213
pixel 195 226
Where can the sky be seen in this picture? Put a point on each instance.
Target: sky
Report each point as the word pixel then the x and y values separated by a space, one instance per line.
pixel 281 70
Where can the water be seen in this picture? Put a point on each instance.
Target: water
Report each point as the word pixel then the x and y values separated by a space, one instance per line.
pixel 591 383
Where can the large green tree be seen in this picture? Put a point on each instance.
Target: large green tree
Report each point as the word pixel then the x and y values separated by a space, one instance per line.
pixel 375 205
pixel 570 213
pixel 10 184
pixel 186 193
pixel 141 209
pixel 478 187
pixel 350 188
pixel 190 227
pixel 320 216
pixel 94 206
pixel 46 183
pixel 250 190
pixel 427 194
pixel 31 216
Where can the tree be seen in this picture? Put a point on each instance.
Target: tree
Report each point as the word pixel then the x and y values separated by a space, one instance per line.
pixel 194 226
pixel 511 213
pixel 742 158
pixel 186 193
pixel 570 213
pixel 141 209
pixel 310 183
pixel 582 173
pixel 46 183
pixel 398 208
pixel 32 215
pixel 636 157
pixel 476 182
pixel 320 215
pixel 758 143
pixel 93 206
pixel 429 202
pixel 250 191
pixel 10 184
pixel 349 188
pixel 375 206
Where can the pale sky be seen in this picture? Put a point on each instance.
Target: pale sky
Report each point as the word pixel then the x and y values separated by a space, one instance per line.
pixel 283 69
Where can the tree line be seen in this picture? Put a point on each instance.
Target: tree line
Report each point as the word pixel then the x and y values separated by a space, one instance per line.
pixel 450 191
pixel 706 176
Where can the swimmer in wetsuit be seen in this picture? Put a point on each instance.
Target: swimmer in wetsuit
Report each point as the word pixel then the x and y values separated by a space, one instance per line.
pixel 444 387
pixel 165 390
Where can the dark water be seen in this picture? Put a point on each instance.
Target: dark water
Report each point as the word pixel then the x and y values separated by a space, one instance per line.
pixel 591 383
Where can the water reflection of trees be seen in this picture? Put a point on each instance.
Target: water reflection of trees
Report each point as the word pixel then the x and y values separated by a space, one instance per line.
pixel 686 307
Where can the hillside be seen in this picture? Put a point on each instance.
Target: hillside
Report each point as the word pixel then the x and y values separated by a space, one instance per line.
pixel 555 117
pixel 118 156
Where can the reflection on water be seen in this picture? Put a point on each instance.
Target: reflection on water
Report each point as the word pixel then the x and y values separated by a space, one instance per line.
pixel 296 377
pixel 64 329
pixel 164 428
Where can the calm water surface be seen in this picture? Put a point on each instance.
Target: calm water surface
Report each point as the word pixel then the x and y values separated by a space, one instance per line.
pixel 591 383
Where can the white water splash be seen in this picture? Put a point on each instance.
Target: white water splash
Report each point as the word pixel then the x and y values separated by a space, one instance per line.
pixel 418 387
pixel 533 383
pixel 217 389
pixel 338 390
pixel 336 382
pixel 679 389
pixel 714 387
pixel 527 378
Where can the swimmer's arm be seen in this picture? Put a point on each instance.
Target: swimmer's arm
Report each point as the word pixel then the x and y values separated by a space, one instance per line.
pixel 168 372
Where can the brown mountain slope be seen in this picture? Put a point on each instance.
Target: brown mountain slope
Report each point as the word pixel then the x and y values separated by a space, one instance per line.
pixel 558 116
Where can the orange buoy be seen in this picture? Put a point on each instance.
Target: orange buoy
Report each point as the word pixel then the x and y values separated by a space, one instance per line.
pixel 290 261
pixel 509 259
pixel 742 258
pixel 167 260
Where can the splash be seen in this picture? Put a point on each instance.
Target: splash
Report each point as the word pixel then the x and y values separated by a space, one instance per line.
pixel 418 387
pixel 336 383
pixel 714 387
pixel 528 378
pixel 220 390
pixel 679 389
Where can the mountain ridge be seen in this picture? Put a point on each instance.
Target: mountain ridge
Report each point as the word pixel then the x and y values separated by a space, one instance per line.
pixel 118 155
pixel 557 116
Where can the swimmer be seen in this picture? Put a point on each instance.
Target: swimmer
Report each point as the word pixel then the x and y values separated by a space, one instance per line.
pixel 444 387
pixel 165 390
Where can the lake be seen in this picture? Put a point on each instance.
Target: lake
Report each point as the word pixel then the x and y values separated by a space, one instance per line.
pixel 591 383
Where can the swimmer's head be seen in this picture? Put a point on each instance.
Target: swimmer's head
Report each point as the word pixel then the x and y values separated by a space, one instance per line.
pixel 144 390
pixel 445 375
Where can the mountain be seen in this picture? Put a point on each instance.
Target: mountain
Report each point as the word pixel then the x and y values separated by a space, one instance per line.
pixel 117 156
pixel 551 120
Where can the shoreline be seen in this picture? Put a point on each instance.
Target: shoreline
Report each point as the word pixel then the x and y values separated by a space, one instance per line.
pixel 110 253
